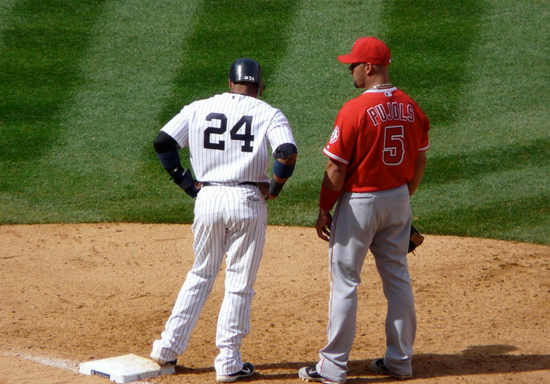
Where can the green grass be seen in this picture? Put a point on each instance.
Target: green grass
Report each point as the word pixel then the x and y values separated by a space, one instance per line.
pixel 41 45
pixel 86 85
pixel 489 168
pixel 430 43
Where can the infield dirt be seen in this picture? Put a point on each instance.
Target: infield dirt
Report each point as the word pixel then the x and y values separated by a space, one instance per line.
pixel 75 293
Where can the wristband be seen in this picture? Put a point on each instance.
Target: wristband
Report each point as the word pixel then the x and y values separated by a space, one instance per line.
pixel 186 182
pixel 328 198
pixel 192 190
pixel 275 188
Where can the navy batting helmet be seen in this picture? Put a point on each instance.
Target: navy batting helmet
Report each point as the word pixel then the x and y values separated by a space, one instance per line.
pixel 247 71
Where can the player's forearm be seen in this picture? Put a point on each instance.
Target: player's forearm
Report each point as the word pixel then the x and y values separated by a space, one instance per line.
pixel 283 168
pixel 419 167
pixel 335 175
pixel 331 188
pixel 289 161
pixel 167 152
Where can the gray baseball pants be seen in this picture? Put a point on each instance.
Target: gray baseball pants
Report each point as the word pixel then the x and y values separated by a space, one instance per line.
pixel 379 221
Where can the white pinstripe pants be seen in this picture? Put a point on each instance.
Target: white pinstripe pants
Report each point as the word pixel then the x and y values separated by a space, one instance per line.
pixel 231 221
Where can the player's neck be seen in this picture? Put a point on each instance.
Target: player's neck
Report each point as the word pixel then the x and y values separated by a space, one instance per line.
pixel 380 82
pixel 244 89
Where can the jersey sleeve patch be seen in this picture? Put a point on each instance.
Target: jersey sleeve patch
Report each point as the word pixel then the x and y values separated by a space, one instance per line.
pixel 335 135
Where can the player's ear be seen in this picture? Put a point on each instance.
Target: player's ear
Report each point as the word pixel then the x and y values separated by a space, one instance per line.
pixel 368 68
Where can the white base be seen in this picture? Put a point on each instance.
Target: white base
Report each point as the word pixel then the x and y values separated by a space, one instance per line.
pixel 127 368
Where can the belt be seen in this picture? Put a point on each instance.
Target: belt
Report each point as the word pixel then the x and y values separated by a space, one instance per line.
pixel 213 184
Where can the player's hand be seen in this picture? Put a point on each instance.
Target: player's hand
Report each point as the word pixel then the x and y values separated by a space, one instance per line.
pixel 324 221
pixel 194 189
pixel 264 188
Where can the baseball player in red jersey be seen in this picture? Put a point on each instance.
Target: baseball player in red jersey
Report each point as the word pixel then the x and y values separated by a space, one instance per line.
pixel 376 161
pixel 228 136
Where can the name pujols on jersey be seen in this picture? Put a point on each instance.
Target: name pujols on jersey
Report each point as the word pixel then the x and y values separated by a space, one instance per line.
pixel 391 111
pixel 384 111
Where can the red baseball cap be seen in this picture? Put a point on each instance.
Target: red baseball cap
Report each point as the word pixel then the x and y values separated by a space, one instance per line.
pixel 368 50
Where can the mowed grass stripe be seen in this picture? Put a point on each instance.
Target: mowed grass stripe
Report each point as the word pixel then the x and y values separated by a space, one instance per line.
pixel 494 160
pixel 483 162
pixel 42 42
pixel 94 170
pixel 224 30
pixel 310 86
pixel 132 66
pixel 506 98
pixel 5 9
pixel 516 219
pixel 430 42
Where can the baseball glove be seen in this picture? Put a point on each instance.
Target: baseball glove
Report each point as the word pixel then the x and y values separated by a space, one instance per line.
pixel 415 240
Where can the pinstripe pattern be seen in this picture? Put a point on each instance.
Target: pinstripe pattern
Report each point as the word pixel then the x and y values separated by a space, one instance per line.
pixel 230 219
pixel 269 128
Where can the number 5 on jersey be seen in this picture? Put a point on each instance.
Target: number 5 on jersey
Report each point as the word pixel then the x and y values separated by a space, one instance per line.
pixel 394 147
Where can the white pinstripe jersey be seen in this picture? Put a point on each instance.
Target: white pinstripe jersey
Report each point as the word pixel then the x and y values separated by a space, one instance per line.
pixel 228 137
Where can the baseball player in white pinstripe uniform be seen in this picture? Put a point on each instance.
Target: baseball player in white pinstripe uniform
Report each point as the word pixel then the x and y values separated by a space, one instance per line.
pixel 228 136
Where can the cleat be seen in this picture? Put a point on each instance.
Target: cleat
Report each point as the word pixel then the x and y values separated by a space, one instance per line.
pixel 247 371
pixel 379 367
pixel 311 374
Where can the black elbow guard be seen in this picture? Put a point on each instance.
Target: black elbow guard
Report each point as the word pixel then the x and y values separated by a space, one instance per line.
pixel 284 171
pixel 165 143
pixel 285 150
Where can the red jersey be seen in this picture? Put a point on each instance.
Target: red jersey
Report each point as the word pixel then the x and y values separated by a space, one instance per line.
pixel 378 135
